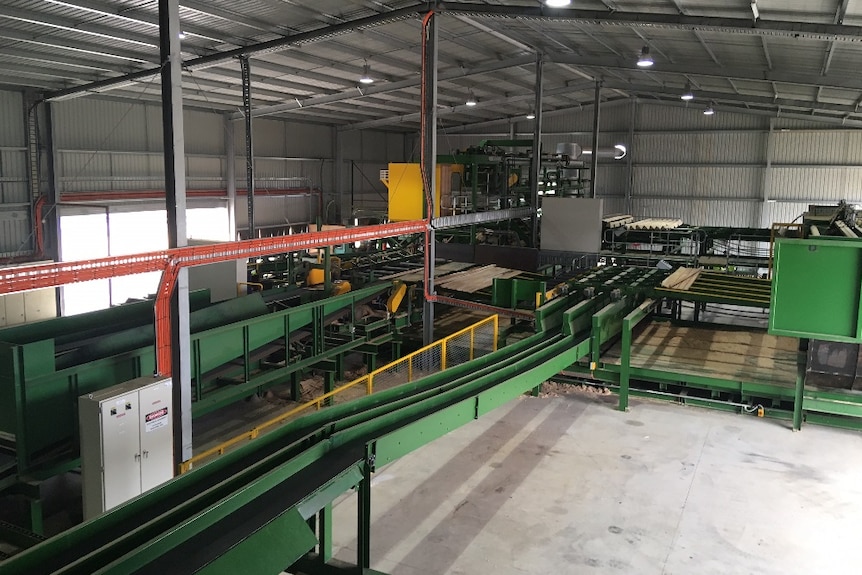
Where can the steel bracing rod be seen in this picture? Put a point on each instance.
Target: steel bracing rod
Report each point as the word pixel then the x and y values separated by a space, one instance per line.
pixel 270 46
pixel 428 164
pixel 791 29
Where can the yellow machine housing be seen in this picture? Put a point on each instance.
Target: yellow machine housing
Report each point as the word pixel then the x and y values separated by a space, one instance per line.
pixel 406 198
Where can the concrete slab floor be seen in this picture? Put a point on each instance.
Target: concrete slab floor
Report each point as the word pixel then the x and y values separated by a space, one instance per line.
pixel 569 485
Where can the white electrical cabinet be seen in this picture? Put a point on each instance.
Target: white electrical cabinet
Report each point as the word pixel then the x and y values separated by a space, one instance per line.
pixel 126 442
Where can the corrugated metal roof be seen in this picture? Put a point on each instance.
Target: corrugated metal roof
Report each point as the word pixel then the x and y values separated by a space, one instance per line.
pixel 51 44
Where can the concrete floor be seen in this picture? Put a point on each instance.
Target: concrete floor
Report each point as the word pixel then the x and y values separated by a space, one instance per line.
pixel 568 485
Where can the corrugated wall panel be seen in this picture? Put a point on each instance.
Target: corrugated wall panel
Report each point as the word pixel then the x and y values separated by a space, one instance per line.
pixel 698 182
pixel 783 212
pixel 93 124
pixel 816 184
pixel 204 132
pixel 708 148
pixel 15 236
pixel 307 140
pixel 699 213
pixel 12 119
pixel 818 147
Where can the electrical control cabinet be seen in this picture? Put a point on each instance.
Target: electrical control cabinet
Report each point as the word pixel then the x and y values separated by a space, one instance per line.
pixel 126 442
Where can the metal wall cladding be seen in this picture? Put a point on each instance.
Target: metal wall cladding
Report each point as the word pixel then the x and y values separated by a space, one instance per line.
pixel 383 147
pixel 817 147
pixel 697 182
pixel 15 236
pixel 814 184
pixel 278 210
pixel 612 179
pixel 700 148
pixel 13 176
pixel 782 212
pixel 97 124
pixel 699 212
pixel 12 119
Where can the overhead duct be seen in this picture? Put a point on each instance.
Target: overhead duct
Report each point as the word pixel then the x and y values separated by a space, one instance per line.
pixel 574 151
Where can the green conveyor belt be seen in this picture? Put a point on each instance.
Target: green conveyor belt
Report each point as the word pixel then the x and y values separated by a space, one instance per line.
pixel 171 529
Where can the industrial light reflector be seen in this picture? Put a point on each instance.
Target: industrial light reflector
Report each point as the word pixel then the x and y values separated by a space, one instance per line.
pixel 709 111
pixel 645 60
pixel 557 3
pixel 687 95
pixel 471 99
pixel 366 75
pixel 531 115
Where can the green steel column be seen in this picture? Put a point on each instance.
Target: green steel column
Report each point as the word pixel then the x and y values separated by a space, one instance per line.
pixel 798 396
pixel 328 385
pixel 36 521
pixel 325 533
pixel 295 388
pixel 327 272
pixel 625 364
pixel 363 511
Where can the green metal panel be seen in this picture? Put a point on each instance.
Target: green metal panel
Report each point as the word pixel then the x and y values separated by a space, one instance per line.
pixel 816 289
pixel 410 437
pixel 269 550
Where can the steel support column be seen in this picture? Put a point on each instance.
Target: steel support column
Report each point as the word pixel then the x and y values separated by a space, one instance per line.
pixel 249 142
pixel 338 175
pixel 230 174
pixel 594 157
pixel 363 512
pixel 50 218
pixel 765 216
pixel 428 159
pixel 175 198
pixel 630 181
pixel 799 390
pixel 536 166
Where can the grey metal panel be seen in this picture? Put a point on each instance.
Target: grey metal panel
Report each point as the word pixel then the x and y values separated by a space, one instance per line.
pixel 713 182
pixel 572 224
pixel 12 119
pixel 816 183
pixel 818 147
pixel 268 137
pixel 706 147
pixel 204 132
pixel 15 233
pixel 271 211
pixel 307 140
pixel 98 124
pixel 784 212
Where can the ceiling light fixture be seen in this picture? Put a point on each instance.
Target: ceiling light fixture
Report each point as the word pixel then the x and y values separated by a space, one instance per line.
pixel 366 75
pixel 709 111
pixel 531 115
pixel 182 35
pixel 557 3
pixel 471 99
pixel 645 60
pixel 754 11
pixel 687 95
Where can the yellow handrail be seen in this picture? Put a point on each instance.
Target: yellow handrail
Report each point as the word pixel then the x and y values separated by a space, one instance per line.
pixel 367 379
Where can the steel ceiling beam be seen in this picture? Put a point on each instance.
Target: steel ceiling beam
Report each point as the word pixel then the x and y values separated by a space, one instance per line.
pixel 835 120
pixel 791 29
pixel 461 108
pixel 739 73
pixel 741 98
pixel 353 93
pixel 263 47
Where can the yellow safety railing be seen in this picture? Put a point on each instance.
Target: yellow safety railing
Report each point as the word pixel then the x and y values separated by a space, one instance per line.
pixel 467 344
